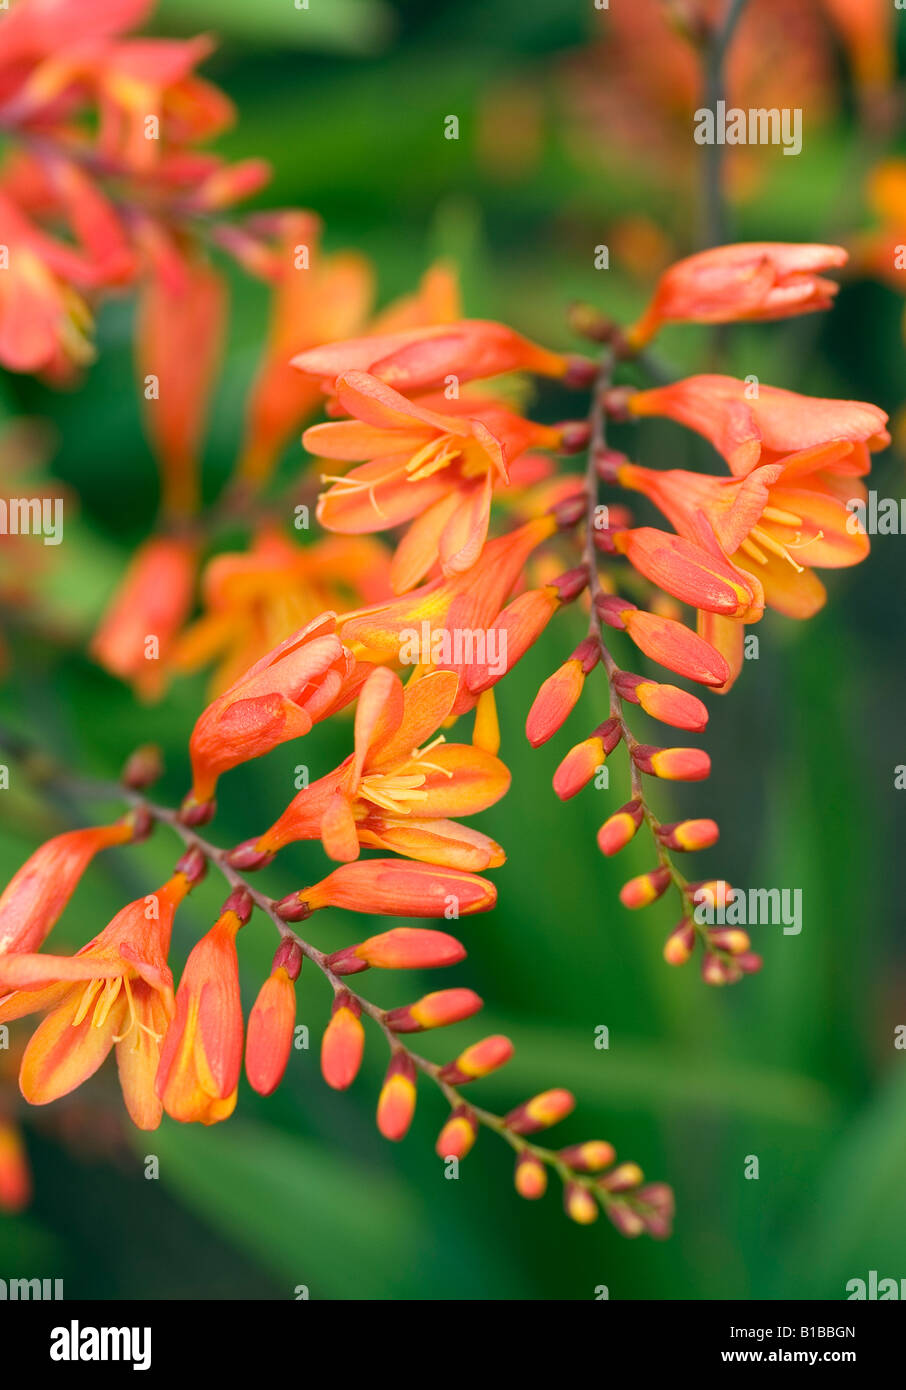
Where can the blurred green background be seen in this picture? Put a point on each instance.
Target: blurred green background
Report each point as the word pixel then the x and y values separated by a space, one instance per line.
pixel 796 1066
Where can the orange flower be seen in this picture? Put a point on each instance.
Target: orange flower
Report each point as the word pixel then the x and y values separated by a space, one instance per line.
pixel 35 896
pixel 403 948
pixel 180 324
pixel 325 299
pixel 421 359
pixel 117 990
pixel 150 606
pixel 747 280
pixel 300 682
pixel 253 600
pixel 393 887
pixel 776 525
pixel 201 1058
pixel 750 430
pixel 437 465
pixel 444 619
pixel 399 788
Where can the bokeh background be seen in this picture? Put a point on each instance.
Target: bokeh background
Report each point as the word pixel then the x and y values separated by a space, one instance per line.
pixel 568 139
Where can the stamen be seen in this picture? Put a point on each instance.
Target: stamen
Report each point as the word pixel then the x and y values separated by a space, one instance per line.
pixel 775 547
pixel 781 517
pixel 90 991
pixel 107 1001
pixel 751 549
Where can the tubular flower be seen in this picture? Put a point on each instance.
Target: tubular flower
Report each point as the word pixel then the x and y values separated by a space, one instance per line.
pixel 117 990
pixel 437 465
pixel 748 280
pixel 35 896
pixel 271 1022
pixel 180 324
pixel 200 1061
pixel 400 786
pixel 136 634
pixel 255 599
pixel 421 359
pixel 316 298
pixel 446 623
pixel 749 430
pixel 776 525
pixel 559 694
pixel 300 682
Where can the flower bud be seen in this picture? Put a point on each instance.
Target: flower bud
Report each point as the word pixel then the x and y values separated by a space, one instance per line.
pixel 689 834
pixel 559 694
pixel 270 1032
pixel 680 944
pixel 393 888
pixel 478 1060
pixel 579 1204
pixel 627 1221
pixel 729 939
pixel 656 1207
pixel 435 1010
pixel 343 1042
pixel 540 1112
pixel 458 1134
pixel 667 703
pixel 401 948
pixel 589 1157
pixel 618 829
pixel 530 1177
pixel 675 646
pixel 578 767
pixel 623 1178
pixel 645 888
pixel 396 1103
pixel 673 764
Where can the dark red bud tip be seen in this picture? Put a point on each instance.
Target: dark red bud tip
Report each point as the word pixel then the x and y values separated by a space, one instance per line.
pixel 570 510
pixel 608 463
pixel 588 654
pixel 615 402
pixel 193 864
pixel 247 858
pixel 571 584
pixel 610 608
pixel 241 902
pixel 610 733
pixel 346 962
pixel 604 541
pixel 288 956
pixel 143 768
pixel 193 812
pixel 574 436
pixel 142 823
pixel 292 908
pixel 580 372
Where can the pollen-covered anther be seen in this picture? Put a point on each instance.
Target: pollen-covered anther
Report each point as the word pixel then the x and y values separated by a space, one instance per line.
pixel 540 1112
pixel 645 888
